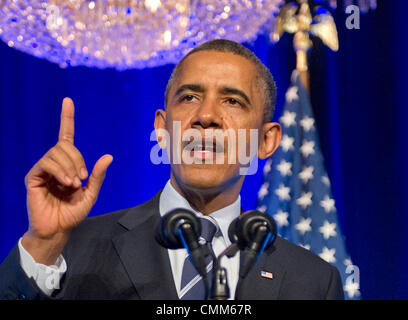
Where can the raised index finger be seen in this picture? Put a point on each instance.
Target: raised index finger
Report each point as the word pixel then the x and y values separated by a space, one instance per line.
pixel 67 127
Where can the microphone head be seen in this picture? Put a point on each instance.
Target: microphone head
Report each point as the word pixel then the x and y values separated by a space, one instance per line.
pixel 243 229
pixel 167 230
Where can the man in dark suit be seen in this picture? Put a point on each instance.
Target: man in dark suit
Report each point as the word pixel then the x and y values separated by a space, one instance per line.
pixel 218 87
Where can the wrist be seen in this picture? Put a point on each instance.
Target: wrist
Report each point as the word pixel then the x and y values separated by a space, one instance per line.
pixel 44 250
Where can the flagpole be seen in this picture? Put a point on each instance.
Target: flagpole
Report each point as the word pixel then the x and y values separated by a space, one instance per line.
pixel 302 42
pixel 302 67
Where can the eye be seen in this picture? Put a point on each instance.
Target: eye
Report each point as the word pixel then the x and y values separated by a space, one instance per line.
pixel 187 98
pixel 233 102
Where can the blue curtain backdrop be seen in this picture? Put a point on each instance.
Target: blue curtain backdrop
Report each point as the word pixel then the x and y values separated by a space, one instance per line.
pixel 359 98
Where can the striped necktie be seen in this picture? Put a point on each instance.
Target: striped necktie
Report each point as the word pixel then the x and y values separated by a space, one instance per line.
pixel 192 286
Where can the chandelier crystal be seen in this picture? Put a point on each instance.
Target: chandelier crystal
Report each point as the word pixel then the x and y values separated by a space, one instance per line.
pixel 125 34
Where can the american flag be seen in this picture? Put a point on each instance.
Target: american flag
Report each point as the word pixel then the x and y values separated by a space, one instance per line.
pixel 296 189
pixel 266 274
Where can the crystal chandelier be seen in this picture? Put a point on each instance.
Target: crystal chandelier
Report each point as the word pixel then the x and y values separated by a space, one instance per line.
pixel 126 34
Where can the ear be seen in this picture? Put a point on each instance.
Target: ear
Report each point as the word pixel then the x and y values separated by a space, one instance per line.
pixel 160 127
pixel 270 139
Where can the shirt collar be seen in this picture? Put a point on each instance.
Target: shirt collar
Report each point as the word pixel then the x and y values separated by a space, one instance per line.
pixel 171 199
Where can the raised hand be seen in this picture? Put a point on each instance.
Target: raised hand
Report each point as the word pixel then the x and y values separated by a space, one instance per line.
pixel 56 200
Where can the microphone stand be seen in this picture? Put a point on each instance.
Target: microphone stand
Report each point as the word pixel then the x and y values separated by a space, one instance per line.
pixel 220 289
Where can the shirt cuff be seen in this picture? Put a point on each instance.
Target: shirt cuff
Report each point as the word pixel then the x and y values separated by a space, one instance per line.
pixel 47 278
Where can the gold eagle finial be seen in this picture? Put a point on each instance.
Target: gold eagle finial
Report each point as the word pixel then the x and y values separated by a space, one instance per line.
pixel 295 17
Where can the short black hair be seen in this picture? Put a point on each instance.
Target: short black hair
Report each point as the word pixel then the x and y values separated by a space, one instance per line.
pixel 223 45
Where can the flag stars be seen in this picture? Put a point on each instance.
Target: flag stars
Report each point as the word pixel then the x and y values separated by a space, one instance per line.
pixel 288 118
pixel 352 289
pixel 326 181
pixel 292 94
pixel 287 143
pixel 307 123
pixel 328 230
pixel 307 148
pixel 328 255
pixel 347 262
pixel 261 208
pixel 263 191
pixel 306 246
pixel 304 225
pixel 306 174
pixel 305 200
pixel 267 167
pixel 328 204
pixel 281 218
pixel 298 195
pixel 283 192
pixel 285 168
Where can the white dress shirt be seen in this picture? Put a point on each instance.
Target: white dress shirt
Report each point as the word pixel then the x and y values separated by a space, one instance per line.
pixel 47 277
pixel 171 199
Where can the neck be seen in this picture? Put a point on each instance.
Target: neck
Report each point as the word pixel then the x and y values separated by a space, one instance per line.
pixel 208 200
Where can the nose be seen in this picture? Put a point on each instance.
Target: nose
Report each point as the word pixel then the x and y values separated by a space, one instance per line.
pixel 207 115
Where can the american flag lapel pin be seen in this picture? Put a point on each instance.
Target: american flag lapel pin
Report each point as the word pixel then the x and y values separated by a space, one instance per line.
pixel 265 274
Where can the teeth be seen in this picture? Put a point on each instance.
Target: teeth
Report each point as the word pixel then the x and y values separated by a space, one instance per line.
pixel 208 146
pixel 199 147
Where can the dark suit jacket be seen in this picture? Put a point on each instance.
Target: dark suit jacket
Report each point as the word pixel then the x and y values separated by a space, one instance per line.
pixel 115 256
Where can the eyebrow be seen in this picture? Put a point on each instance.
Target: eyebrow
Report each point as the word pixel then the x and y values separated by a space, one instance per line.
pixel 189 87
pixel 223 90
pixel 234 91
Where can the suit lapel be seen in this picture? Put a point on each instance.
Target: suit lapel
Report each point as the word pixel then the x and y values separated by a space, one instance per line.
pixel 148 265
pixel 256 287
pixel 146 262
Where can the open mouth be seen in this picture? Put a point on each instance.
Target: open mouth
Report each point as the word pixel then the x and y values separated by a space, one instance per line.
pixel 203 149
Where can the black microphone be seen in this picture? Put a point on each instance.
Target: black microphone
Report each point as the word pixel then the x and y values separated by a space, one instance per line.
pixel 253 232
pixel 180 228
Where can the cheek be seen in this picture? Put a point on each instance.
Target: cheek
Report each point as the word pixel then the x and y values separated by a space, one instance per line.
pixel 244 122
pixel 174 123
pixel 181 115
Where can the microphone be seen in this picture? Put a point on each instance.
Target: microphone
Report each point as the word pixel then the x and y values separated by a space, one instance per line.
pixel 253 232
pixel 180 228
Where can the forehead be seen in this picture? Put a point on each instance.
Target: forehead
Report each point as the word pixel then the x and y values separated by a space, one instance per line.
pixel 213 68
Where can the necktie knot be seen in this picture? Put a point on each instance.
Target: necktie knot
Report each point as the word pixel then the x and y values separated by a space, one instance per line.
pixel 208 229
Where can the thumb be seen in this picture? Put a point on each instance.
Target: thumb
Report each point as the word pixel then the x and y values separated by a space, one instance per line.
pixel 98 175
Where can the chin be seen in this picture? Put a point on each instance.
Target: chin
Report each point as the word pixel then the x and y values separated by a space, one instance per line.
pixel 203 182
pixel 206 176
